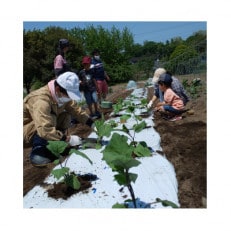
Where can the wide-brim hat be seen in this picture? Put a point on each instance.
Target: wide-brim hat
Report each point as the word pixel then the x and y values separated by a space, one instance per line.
pixel 70 82
pixel 157 73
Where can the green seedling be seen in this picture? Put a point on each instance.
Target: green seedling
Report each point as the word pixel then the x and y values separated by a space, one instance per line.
pixel 119 156
pixel 57 148
pixel 194 88
pixel 102 129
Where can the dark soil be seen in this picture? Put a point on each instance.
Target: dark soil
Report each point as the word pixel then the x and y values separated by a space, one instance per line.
pixel 61 190
pixel 184 143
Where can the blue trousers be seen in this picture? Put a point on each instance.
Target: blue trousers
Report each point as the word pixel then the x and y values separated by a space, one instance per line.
pixel 40 155
pixel 172 110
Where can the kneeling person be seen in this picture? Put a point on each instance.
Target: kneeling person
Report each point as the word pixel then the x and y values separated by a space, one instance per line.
pixel 172 103
pixel 47 114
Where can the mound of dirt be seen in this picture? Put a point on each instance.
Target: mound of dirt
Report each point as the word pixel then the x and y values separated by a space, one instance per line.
pixel 183 142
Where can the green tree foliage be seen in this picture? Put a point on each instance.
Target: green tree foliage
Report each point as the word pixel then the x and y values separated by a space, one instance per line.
pixel 183 60
pixel 33 58
pixel 115 48
pixel 40 50
pixel 123 60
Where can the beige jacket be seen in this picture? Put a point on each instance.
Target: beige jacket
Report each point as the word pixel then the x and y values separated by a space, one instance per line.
pixel 40 113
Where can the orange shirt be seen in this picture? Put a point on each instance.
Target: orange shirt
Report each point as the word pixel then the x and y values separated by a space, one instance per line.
pixel 172 99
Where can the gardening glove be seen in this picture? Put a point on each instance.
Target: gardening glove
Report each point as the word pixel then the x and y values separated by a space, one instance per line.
pixel 149 104
pixel 75 140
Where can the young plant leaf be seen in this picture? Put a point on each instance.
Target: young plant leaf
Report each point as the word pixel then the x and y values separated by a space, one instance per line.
pixel 77 152
pixel 58 173
pixel 72 181
pixel 125 163
pixel 103 129
pixel 118 148
pixel 167 203
pixel 139 118
pixel 122 179
pixel 125 129
pixel 119 206
pixel 125 117
pixel 98 146
pixel 131 109
pixel 140 150
pixel 144 101
pixel 139 127
pixel 132 177
pixel 57 147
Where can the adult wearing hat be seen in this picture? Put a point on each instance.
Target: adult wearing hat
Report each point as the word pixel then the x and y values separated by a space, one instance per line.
pixel 172 103
pixel 176 86
pixel 47 114
pixel 60 62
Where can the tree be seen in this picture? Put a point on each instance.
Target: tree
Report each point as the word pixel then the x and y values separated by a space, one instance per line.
pixel 183 60
pixel 34 53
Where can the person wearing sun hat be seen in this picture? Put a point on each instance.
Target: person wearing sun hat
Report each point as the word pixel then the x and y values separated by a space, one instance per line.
pixel 176 86
pixel 47 114
pixel 172 103
pixel 157 94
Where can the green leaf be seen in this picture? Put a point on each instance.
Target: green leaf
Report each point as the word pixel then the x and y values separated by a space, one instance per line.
pixel 131 108
pixel 112 123
pixel 57 147
pixel 123 180
pixel 77 152
pixel 167 203
pixel 98 146
pixel 132 177
pixel 140 150
pixel 125 163
pixel 117 149
pixel 125 129
pixel 139 118
pixel 119 206
pixel 143 143
pixel 103 129
pixel 58 173
pixel 117 107
pixel 56 161
pixel 144 101
pixel 72 181
pixel 139 127
pixel 125 117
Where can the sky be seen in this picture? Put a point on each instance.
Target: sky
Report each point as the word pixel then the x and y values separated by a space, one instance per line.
pixel 142 30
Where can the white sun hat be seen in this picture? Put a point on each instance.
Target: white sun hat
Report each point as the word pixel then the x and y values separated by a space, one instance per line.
pixel 157 73
pixel 70 82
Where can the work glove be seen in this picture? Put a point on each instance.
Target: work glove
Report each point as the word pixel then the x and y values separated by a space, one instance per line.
pixel 149 104
pixel 75 140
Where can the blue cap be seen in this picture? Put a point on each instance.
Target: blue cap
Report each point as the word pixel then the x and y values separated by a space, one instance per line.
pixel 165 78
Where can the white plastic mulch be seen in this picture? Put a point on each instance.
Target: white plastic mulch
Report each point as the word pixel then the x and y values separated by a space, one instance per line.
pixel 156 177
